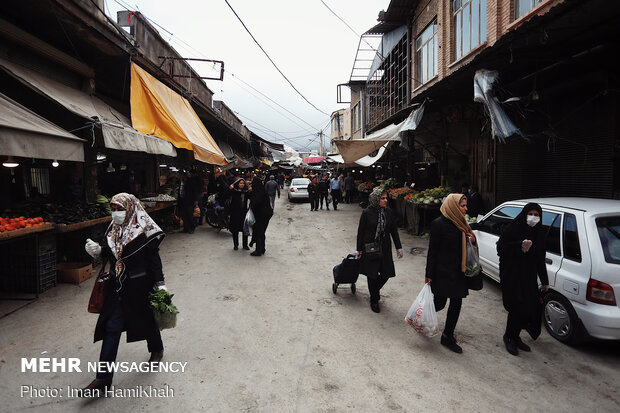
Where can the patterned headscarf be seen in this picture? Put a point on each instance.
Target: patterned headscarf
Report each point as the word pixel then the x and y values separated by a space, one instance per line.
pixel 450 209
pixel 137 222
pixel 374 200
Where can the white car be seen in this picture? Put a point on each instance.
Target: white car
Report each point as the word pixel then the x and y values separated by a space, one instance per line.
pixel 583 263
pixel 298 189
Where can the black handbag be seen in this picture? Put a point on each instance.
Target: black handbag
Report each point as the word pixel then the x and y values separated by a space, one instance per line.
pixel 373 251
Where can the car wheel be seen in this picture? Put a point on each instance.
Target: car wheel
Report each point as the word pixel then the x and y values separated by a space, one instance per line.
pixel 560 318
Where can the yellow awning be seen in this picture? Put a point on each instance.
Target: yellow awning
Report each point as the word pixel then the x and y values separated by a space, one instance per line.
pixel 158 110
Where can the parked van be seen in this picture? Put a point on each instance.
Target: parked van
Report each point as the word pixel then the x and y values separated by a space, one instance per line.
pixel 583 263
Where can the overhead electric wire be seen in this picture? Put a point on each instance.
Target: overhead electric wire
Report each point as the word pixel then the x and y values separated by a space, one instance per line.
pixel 272 62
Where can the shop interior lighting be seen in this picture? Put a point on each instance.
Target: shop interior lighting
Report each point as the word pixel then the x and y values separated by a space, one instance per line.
pixel 10 163
pixel 354 171
pixel 110 168
pixel 101 157
pixel 123 167
pixel 163 165
pixel 55 163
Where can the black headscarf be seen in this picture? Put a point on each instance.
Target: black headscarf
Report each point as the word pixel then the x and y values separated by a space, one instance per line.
pixel 518 230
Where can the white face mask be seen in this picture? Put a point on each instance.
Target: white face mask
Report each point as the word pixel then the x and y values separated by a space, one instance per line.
pixel 118 217
pixel 532 220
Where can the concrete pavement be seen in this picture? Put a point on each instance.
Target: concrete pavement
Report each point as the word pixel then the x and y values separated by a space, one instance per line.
pixel 266 334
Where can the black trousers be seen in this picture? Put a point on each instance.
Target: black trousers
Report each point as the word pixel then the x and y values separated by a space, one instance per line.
pixel 114 327
pixel 235 237
pixel 513 326
pixel 349 196
pixel 374 287
pixel 187 214
pixel 336 197
pixel 323 196
pixel 314 202
pixel 454 310
pixel 260 243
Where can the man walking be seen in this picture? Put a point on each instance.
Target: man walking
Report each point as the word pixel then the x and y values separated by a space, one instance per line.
pixel 349 187
pixel 313 193
pixel 271 188
pixel 323 191
pixel 335 189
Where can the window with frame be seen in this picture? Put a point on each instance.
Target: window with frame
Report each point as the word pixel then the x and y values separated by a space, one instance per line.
pixel 522 7
pixel 356 117
pixel 426 54
pixel 553 222
pixel 572 251
pixel 470 25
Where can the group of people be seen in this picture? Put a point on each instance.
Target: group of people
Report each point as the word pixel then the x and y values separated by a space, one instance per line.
pixel 131 244
pixel 323 188
pixel 521 249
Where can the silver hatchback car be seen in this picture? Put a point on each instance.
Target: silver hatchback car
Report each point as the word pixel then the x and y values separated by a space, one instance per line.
pixel 583 263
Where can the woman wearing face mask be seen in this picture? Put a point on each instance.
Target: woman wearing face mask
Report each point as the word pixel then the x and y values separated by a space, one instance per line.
pixel 446 261
pixel 376 225
pixel 238 209
pixel 521 250
pixel 131 244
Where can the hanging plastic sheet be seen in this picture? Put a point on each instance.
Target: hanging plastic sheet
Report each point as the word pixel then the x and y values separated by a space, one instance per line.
pixel 501 125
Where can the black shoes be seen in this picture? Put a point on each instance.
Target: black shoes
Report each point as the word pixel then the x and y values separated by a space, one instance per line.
pixel 245 247
pixel 256 254
pixel 522 346
pixel 235 248
pixel 156 356
pixel 96 387
pixel 375 307
pixel 511 346
pixel 450 342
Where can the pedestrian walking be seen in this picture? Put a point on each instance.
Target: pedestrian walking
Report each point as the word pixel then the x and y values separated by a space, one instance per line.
pixel 189 195
pixel 521 249
pixel 272 188
pixel 313 193
pixel 446 262
pixel 238 210
pixel 324 191
pixel 377 224
pixel 335 190
pixel 131 242
pixel 259 203
pixel 349 188
pixel 475 205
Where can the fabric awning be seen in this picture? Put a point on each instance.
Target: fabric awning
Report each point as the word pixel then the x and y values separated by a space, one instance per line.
pixel 158 110
pixel 24 133
pixel 226 149
pixel 363 161
pixel 352 150
pixel 116 127
pixel 313 159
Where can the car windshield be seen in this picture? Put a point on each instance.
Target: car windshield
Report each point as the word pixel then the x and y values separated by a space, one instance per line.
pixel 609 233
pixel 300 181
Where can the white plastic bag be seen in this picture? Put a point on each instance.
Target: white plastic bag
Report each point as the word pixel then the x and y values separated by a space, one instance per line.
pixel 472 266
pixel 422 315
pixel 248 223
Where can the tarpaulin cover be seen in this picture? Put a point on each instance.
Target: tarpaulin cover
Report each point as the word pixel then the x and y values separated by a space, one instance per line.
pixel 158 110
pixel 24 133
pixel 116 127
pixel 352 150
pixel 363 161
pixel 501 125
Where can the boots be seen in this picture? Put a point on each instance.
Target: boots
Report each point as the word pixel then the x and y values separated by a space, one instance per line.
pixel 511 346
pixel 450 342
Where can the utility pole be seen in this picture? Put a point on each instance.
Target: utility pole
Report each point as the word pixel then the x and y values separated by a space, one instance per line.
pixel 321 138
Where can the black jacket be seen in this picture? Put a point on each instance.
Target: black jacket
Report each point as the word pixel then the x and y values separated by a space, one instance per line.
pixel 260 206
pixel 142 270
pixel 238 209
pixel 366 231
pixel 443 260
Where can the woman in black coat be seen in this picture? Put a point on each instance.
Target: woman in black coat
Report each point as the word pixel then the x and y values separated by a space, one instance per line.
pixel 238 210
pixel 376 225
pixel 521 249
pixel 260 206
pixel 131 244
pixel 446 261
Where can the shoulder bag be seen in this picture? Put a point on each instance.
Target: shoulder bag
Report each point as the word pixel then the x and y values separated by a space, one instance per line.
pixel 373 251
pixel 100 289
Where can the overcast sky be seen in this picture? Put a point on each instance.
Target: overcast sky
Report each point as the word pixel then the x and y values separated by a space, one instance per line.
pixel 307 42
